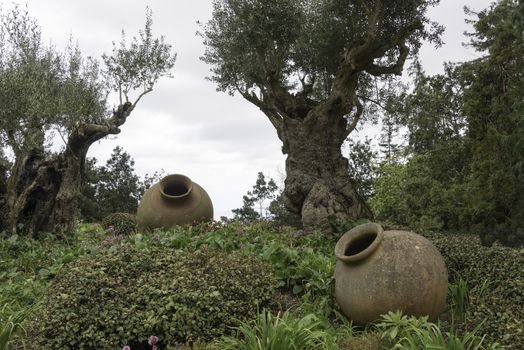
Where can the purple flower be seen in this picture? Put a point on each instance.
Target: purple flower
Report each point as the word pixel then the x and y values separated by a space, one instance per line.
pixel 156 237
pixel 152 340
pixel 126 347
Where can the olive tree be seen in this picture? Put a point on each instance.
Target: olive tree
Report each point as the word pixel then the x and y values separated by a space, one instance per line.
pixel 42 91
pixel 311 67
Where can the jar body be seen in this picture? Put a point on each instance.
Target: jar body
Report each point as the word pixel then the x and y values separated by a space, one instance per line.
pixel 405 272
pixel 174 200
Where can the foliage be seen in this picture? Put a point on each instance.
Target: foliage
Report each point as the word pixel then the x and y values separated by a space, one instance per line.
pixel 4 167
pixel 425 191
pixel 282 332
pixel 11 328
pixel 361 160
pixel 493 106
pixel 120 223
pixel 114 187
pixel 388 201
pixel 123 297
pixel 459 299
pixel 464 163
pixel 255 205
pixel 342 226
pixel 303 263
pixel 410 194
pixel 253 202
pixel 409 333
pixel 40 87
pixel 302 41
pixel 118 187
pixel 495 280
pixel 140 65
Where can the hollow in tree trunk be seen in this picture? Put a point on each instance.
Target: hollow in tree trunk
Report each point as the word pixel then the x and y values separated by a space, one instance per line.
pixel 43 190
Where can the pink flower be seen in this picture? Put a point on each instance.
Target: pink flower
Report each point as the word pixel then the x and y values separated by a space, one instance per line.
pixel 156 237
pixel 152 340
pixel 126 347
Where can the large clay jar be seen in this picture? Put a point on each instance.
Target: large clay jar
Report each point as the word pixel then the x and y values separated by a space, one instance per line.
pixel 175 200
pixel 379 271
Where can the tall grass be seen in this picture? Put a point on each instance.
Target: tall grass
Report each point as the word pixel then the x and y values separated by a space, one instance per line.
pixel 282 331
pixel 408 333
pixel 11 327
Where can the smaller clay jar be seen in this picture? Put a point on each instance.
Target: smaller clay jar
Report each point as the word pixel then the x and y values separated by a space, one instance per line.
pixel 174 200
pixel 379 271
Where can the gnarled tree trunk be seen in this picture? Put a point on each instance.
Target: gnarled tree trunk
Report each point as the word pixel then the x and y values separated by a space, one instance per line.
pixel 318 186
pixel 43 190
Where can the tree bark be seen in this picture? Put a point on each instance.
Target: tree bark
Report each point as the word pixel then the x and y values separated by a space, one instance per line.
pixel 43 190
pixel 318 186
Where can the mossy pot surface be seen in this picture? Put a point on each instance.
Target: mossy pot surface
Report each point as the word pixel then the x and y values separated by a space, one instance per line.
pixel 174 200
pixel 379 271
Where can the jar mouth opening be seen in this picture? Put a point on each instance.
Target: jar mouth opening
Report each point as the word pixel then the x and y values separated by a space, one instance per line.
pixel 359 242
pixel 175 186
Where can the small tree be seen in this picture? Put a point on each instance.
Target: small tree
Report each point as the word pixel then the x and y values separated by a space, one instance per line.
pixel 118 188
pixel 43 90
pixel 262 192
pixel 114 187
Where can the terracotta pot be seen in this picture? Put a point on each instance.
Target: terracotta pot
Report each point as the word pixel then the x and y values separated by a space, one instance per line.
pixel 174 200
pixel 379 271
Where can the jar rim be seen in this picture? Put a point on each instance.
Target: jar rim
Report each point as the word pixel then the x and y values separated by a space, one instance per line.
pixel 176 180
pixel 364 238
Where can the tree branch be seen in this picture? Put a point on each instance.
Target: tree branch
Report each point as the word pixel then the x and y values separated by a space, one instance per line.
pixel 395 68
pixel 87 133
pixel 271 112
pixel 356 116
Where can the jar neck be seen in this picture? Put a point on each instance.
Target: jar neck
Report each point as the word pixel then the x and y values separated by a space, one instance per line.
pixel 176 189
pixel 359 243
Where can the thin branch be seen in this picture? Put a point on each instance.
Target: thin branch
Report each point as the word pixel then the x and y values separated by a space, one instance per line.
pixel 146 91
pixel 378 103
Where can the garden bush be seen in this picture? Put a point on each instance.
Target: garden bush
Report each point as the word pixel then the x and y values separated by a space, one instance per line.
pixel 495 278
pixel 122 298
pixel 120 223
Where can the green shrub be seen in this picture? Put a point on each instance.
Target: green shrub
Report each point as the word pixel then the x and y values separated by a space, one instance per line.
pixel 496 285
pixel 122 298
pixel 120 223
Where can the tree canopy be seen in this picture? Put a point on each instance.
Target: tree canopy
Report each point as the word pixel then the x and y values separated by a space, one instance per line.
pixel 271 51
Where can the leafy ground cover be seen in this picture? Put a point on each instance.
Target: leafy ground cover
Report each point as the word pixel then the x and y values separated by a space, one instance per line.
pixel 486 300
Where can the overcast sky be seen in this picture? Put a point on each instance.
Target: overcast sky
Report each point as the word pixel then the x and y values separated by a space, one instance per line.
pixel 184 126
